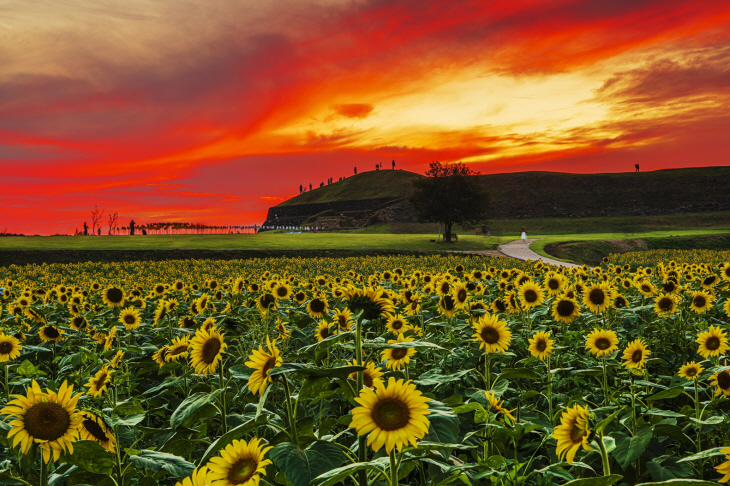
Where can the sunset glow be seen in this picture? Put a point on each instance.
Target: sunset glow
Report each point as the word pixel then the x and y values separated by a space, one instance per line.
pixel 212 112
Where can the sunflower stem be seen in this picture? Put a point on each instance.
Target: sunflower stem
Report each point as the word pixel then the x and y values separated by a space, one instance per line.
pixel 604 456
pixel 605 383
pixel 7 385
pixel 44 472
pixel 290 413
pixel 362 477
pixel 550 389
pixel 222 386
pixel 393 469
pixel 633 403
pixel 488 371
pixel 698 415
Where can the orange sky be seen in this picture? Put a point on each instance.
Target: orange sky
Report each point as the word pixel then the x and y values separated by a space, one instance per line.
pixel 213 111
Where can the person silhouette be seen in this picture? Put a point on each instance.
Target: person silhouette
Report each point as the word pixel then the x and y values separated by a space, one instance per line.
pixel 99 233
pixel 355 170
pixel 524 235
pixel 637 167
pixel 86 229
pixel 394 165
pixel 300 188
pixel 131 228
pixel 310 186
pixel 377 166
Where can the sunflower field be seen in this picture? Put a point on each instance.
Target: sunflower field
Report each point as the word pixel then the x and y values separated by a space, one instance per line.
pixel 390 370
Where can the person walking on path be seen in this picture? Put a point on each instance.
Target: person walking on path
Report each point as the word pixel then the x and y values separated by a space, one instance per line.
pixel 524 235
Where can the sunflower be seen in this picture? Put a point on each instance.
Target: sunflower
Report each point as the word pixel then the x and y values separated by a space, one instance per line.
pixel 646 288
pixel 370 374
pixel 200 477
pixel 317 307
pixel 160 356
pixel 369 301
pixel 531 294
pixel 187 322
pixel 344 320
pixel 113 296
pixel 282 291
pixel 492 334
pixel 266 302
pixel 635 354
pixel 555 284
pixel 323 331
pixel 49 419
pixel 498 305
pixel 396 358
pixel 94 428
pixel 598 297
pixel 109 341
pixel 49 333
pixel 263 362
pixel 572 433
pixel 448 305
pixel 392 415
pixel 665 305
pixel 80 323
pixel 208 325
pixel 721 380
pixel 565 310
pixel 541 346
pixel 713 342
pixel 114 363
pixel 397 325
pixel 691 371
pixel 34 315
pixel 701 302
pixel 99 383
pixel 178 349
pixel 206 349
pixel 10 347
pixel 130 318
pixel 240 463
pixel 601 343
pixel 460 294
pixel 497 406
pixel 724 468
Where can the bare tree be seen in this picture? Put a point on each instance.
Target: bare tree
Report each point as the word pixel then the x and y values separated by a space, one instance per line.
pixel 112 222
pixel 96 219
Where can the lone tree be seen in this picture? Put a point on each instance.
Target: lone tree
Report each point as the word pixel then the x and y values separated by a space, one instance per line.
pixel 450 194
pixel 96 216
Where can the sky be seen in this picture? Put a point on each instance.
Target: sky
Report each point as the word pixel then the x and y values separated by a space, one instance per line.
pixel 211 112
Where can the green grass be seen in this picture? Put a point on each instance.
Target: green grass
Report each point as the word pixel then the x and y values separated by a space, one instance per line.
pixel 266 240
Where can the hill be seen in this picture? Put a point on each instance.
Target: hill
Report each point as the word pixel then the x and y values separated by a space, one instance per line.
pixel 381 195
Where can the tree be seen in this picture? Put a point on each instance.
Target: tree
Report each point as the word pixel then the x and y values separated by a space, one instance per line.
pixel 450 194
pixel 96 219
pixel 113 218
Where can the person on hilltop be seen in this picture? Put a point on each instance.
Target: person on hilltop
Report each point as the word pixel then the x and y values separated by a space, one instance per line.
pixel 310 186
pixel 300 188
pixel 131 228
pixel 356 170
pixel 637 167
pixel 86 229
pixel 394 165
pixel 524 235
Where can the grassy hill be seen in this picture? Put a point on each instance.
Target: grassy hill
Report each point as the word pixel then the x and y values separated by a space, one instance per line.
pixel 528 198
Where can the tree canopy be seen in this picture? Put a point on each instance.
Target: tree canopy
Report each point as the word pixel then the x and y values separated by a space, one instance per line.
pixel 450 194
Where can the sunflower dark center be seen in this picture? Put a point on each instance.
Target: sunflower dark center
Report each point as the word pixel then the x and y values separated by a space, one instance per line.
pixel 691 371
pixel 530 296
pixel 129 319
pixel 553 284
pixel 101 381
pixel 490 335
pixel 461 295
pixel 46 421
pixel 210 350
pixel 577 434
pixel 723 380
pixel 160 289
pixel 367 379
pixel 6 347
pixel 448 303
pixel 669 286
pixel 712 343
pixel 699 301
pixel 499 305
pixel 282 291
pixel 709 281
pixel 603 343
pixel 178 350
pixel 565 308
pixel 391 414
pixel 324 332
pixel 268 366
pixel 666 304
pixel 541 345
pixel 596 296
pixel 114 295
pixel 636 356
pixel 51 332
pixel 242 470
pixel 399 353
pixel 95 430
pixel 316 305
pixel 397 324
pixel 267 300
pixel 445 288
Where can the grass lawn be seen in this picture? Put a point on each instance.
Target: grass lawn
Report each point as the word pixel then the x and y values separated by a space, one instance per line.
pixel 266 240
pixel 539 246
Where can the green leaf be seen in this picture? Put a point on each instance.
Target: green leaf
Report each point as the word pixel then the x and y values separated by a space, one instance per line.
pixel 444 428
pixel 129 407
pixel 335 476
pixel 27 369
pixel 671 431
pixel 438 446
pixel 129 421
pixel 262 401
pixel 430 378
pixel 518 373
pixel 710 421
pixel 673 392
pixel 668 468
pixel 664 413
pixel 680 482
pixel 233 434
pixel 196 407
pixel 176 466
pixel 313 372
pixel 605 422
pixel 703 455
pixel 628 449
pixel 90 456
pixel 597 481
pixel 301 466
pixel 312 387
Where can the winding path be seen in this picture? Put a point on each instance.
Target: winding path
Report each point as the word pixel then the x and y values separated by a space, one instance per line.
pixel 521 251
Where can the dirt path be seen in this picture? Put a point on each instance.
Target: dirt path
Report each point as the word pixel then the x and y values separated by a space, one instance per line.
pixel 521 251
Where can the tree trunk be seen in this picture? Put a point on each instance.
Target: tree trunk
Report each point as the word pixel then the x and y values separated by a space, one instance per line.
pixel 447 232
